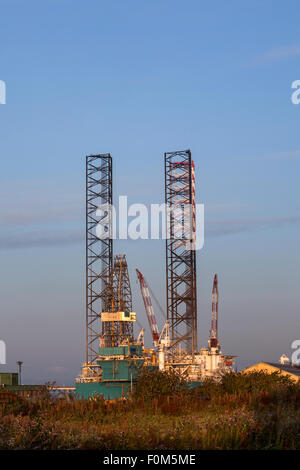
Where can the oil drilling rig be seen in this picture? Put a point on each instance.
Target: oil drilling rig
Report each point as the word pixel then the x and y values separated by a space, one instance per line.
pixel 182 354
pixel 114 358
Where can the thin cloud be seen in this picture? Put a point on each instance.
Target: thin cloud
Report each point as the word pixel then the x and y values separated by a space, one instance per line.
pixel 223 207
pixel 294 155
pixel 277 54
pixel 37 240
pixel 57 369
pixel 234 226
pixel 213 228
pixel 32 217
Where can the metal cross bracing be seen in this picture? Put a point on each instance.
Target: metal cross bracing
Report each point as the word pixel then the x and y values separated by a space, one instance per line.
pixel 180 255
pixel 120 332
pixel 99 251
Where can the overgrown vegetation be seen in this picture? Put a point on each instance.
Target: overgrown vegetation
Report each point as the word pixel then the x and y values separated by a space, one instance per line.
pixel 253 411
pixel 156 384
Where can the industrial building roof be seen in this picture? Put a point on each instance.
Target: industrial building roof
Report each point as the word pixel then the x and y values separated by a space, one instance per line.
pixel 285 367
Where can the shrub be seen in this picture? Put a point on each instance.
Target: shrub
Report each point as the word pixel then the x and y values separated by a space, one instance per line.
pixel 252 382
pixel 154 384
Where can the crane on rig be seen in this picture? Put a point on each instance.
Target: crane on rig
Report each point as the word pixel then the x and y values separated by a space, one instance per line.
pixel 213 337
pixel 162 340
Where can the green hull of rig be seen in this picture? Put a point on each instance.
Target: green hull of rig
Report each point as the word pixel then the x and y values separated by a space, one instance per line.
pixel 108 390
pixel 120 366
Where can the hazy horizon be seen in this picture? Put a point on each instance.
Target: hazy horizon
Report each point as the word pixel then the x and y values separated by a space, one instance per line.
pixel 139 79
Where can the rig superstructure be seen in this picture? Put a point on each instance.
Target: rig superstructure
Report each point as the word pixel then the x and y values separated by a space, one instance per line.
pixel 114 358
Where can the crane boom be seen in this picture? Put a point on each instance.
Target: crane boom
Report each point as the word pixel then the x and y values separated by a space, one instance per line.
pixel 149 308
pixel 214 315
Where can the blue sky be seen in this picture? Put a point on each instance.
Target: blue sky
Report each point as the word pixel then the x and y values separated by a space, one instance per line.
pixel 137 79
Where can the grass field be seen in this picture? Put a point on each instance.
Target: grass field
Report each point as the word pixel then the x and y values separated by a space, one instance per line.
pixel 254 411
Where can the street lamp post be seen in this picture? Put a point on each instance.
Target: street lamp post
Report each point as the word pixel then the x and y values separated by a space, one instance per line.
pixel 20 370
